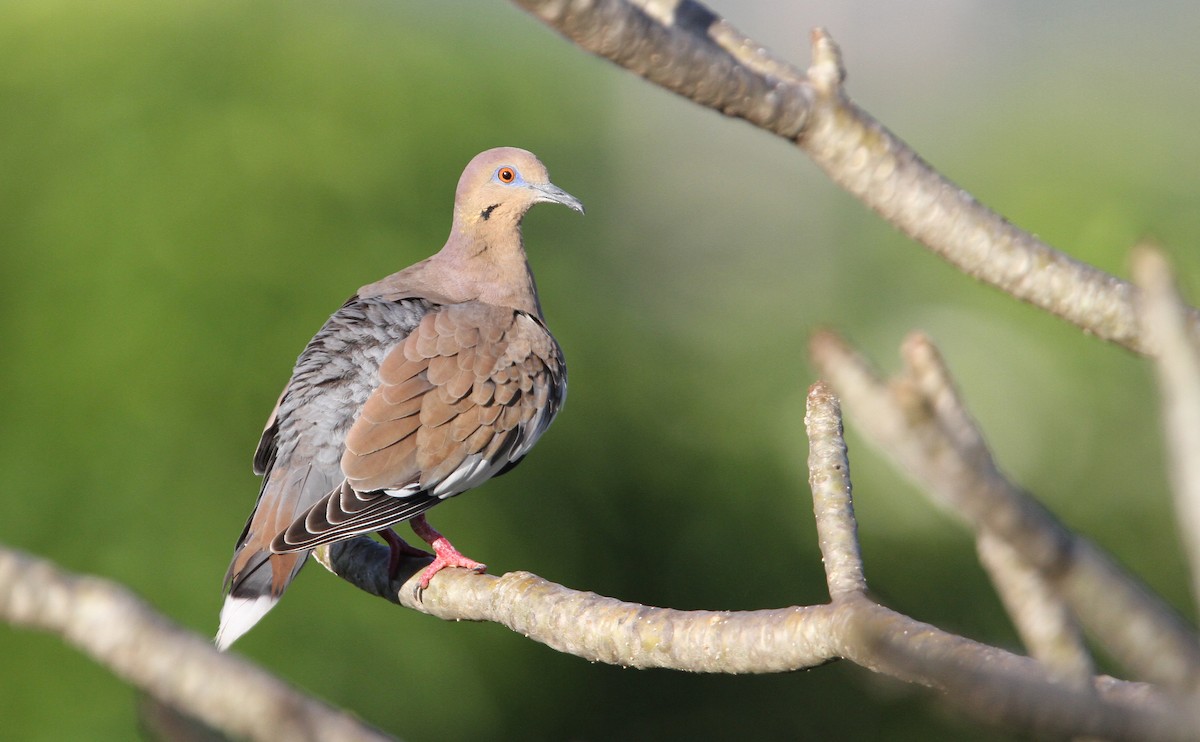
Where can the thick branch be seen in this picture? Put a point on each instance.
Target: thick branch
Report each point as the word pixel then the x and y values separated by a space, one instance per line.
pixel 121 632
pixel 597 628
pixel 669 44
pixel 687 49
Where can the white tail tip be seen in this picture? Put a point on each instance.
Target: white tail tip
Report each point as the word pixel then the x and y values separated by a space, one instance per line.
pixel 239 615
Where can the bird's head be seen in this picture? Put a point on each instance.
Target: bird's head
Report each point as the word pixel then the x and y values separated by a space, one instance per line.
pixel 500 185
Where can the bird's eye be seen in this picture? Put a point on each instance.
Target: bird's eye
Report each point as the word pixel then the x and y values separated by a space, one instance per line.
pixel 506 174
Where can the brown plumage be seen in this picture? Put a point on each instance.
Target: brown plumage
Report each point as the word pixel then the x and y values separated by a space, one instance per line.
pixel 423 385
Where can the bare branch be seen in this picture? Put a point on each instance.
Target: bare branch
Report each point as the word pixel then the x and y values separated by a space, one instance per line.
pixel 1133 623
pixel 669 45
pixel 687 49
pixel 990 683
pixel 1004 689
pixel 602 629
pixel 1164 321
pixel 1041 615
pixel 121 632
pixel 833 505
pixel 1039 611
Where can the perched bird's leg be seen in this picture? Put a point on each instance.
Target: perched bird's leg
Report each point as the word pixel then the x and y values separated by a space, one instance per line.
pixel 398 547
pixel 447 555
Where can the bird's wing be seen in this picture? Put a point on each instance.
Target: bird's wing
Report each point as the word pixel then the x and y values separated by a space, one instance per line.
pixel 464 396
pixel 264 454
pixel 300 448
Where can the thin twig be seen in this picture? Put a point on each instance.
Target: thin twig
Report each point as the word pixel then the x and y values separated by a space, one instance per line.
pixel 1164 320
pixel 1040 614
pixel 833 504
pixel 1129 620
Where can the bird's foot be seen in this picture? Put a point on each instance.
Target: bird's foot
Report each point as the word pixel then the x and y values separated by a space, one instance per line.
pixel 445 553
pixel 398 548
pixel 447 556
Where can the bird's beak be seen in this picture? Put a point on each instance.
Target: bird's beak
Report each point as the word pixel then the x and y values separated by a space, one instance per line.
pixel 550 193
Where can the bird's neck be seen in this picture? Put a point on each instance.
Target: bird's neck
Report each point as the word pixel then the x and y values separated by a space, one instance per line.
pixel 478 263
pixel 489 266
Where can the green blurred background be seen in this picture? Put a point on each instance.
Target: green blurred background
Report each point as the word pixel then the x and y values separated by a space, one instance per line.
pixel 188 189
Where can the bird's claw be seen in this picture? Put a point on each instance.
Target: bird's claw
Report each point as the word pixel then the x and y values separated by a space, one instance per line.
pixel 442 561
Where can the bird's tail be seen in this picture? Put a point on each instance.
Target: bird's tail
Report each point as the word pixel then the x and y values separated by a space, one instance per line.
pixel 256 580
pixel 257 576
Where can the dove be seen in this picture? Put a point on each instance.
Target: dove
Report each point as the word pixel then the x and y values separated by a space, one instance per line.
pixel 425 384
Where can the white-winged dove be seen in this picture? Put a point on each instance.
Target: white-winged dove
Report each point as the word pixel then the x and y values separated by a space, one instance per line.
pixel 423 385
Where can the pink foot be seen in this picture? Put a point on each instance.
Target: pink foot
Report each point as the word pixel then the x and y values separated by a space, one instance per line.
pixel 397 548
pixel 446 554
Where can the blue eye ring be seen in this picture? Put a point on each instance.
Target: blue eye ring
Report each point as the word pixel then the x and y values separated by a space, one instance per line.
pixel 506 175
